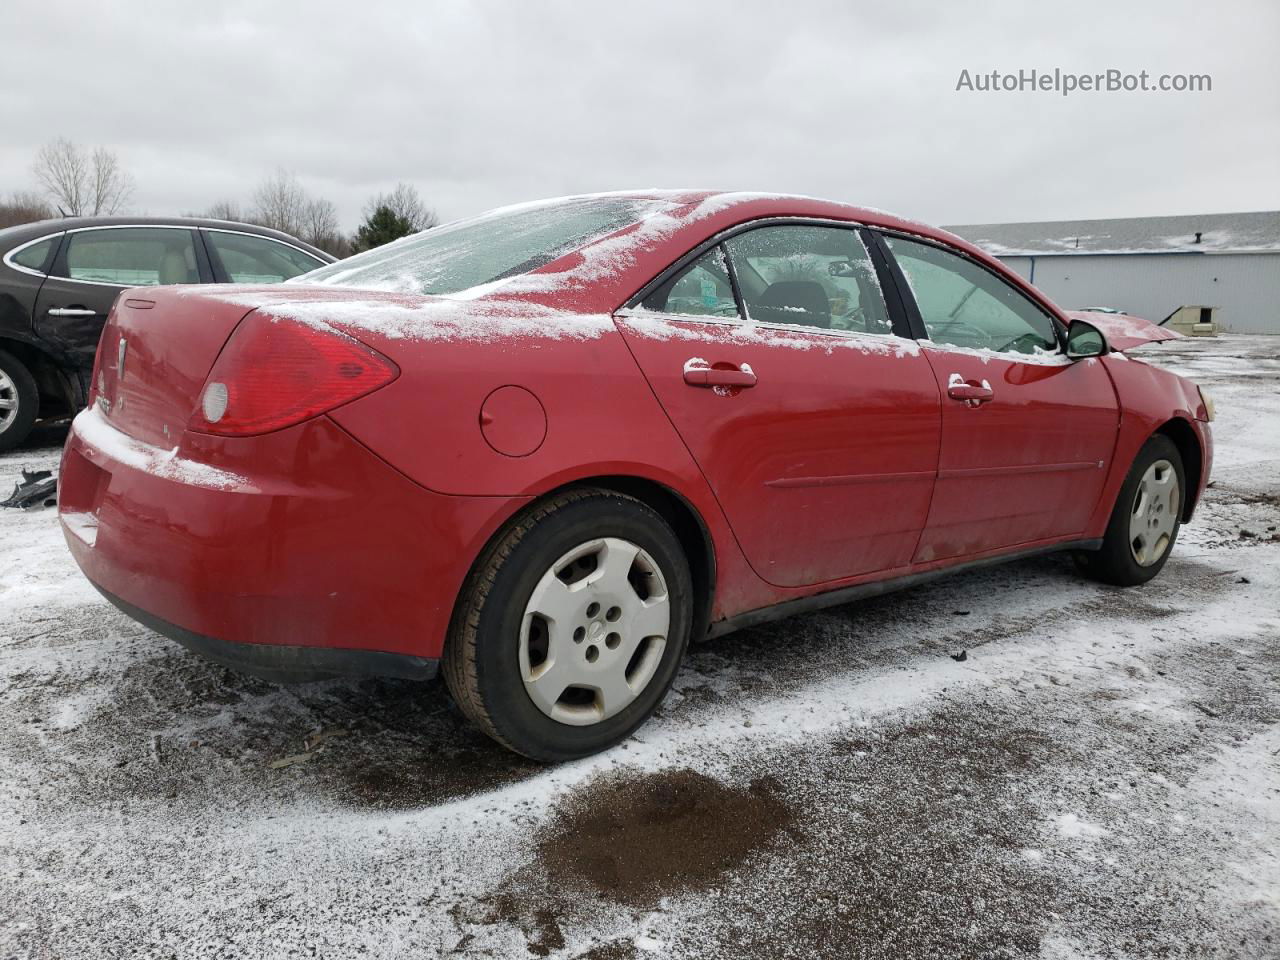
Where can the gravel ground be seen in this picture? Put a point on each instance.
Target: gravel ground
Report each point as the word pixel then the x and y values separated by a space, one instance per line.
pixel 1100 777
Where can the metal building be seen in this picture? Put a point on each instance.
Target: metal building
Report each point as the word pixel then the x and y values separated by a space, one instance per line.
pixel 1150 266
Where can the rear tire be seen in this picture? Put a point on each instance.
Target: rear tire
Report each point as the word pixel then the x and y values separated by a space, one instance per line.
pixel 19 401
pixel 590 587
pixel 1145 521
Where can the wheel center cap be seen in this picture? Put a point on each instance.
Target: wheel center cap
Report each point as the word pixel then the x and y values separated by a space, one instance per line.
pixel 596 629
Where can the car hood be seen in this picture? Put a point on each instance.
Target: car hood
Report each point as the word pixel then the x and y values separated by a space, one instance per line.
pixel 1124 332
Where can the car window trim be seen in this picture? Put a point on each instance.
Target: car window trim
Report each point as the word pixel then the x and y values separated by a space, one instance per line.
pixel 220 269
pixel 8 261
pixel 217 271
pixel 891 296
pixel 886 262
pixel 642 314
pixel 60 260
pixel 734 286
pixel 204 265
pixel 917 320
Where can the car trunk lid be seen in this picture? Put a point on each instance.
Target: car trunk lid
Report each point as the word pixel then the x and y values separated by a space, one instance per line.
pixel 156 350
pixel 160 344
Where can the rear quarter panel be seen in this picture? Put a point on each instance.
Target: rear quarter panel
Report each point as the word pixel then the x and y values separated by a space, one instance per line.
pixel 601 420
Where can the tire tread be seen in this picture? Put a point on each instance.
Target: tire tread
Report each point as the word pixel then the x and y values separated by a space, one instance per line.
pixel 458 666
pixel 1111 563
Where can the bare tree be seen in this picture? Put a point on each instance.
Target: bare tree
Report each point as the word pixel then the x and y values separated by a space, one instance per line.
pixel 224 210
pixel 280 203
pixel 81 183
pixel 319 222
pixel 24 206
pixel 405 202
pixel 111 186
pixel 61 168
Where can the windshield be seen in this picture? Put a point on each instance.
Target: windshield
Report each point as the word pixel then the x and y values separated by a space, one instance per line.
pixel 486 248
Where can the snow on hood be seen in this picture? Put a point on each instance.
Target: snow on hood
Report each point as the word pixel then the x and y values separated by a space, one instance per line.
pixel 1124 332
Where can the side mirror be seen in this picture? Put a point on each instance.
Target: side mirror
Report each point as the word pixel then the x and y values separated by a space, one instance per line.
pixel 1084 340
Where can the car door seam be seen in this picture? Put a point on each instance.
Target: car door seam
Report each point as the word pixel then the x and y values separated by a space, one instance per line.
pixel 617 323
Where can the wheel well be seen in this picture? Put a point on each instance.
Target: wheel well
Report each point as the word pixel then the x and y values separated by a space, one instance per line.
pixel 689 530
pixel 57 388
pixel 1188 444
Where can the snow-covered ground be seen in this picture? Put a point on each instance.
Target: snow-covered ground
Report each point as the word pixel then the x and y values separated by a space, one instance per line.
pixel 1099 778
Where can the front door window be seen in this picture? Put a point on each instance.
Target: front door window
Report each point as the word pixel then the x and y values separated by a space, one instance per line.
pixel 965 305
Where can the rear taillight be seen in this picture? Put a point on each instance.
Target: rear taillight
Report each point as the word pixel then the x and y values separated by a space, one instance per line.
pixel 274 373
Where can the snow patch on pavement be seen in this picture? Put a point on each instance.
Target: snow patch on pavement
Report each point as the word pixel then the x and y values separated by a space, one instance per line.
pixel 1070 825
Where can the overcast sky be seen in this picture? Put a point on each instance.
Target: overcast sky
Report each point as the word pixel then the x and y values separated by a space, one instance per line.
pixel 484 103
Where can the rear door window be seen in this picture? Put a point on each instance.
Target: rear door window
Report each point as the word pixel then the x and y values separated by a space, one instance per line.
pixel 132 256
pixel 36 256
pixel 250 259
pixel 809 276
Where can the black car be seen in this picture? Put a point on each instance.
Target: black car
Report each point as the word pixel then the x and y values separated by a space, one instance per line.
pixel 58 279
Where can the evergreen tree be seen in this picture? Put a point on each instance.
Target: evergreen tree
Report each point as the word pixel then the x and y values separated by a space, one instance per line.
pixel 381 226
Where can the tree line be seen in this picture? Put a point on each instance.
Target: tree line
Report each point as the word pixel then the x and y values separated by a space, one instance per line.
pixel 76 181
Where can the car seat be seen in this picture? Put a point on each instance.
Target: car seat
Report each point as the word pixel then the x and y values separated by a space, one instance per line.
pixel 794 301
pixel 174 268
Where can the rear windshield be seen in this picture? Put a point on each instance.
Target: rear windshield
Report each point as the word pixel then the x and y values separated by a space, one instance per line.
pixel 492 246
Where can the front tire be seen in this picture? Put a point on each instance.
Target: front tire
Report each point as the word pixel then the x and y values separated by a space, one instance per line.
pixel 572 626
pixel 19 401
pixel 1145 521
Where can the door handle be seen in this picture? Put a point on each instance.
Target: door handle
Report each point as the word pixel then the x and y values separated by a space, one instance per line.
pixel 970 393
pixel 72 312
pixel 715 377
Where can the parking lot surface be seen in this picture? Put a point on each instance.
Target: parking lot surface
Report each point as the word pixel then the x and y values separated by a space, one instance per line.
pixel 1099 776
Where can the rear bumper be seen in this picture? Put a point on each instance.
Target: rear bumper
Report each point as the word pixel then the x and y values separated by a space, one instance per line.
pixel 294 553
pixel 286 664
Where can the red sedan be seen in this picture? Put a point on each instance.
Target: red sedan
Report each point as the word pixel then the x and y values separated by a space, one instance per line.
pixel 545 447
